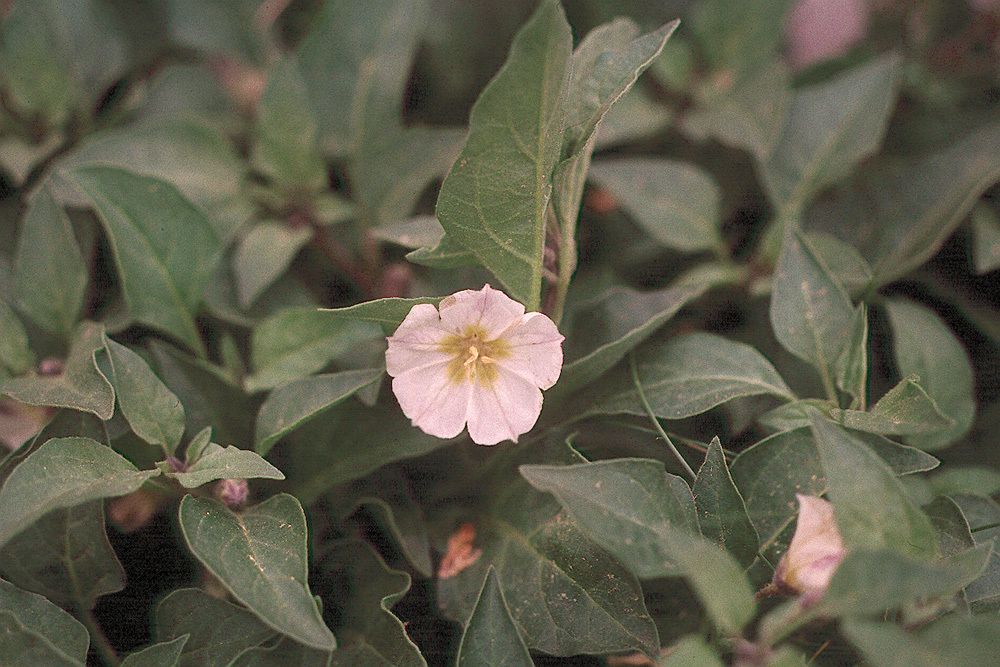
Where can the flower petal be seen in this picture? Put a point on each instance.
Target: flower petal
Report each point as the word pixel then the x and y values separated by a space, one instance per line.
pixel 434 404
pixel 489 308
pixel 536 351
pixel 503 410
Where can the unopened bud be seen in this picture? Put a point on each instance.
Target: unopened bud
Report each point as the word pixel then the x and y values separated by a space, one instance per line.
pixel 815 551
pixel 232 492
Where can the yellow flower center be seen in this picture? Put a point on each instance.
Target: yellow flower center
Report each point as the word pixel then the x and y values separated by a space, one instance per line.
pixel 473 356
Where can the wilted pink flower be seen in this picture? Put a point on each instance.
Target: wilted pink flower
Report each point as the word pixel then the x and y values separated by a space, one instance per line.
pixel 815 551
pixel 477 359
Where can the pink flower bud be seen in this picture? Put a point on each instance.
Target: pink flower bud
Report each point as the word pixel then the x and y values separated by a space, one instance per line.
pixel 232 492
pixel 815 551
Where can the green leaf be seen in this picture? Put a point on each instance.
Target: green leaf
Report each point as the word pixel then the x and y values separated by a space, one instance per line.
pixel 872 508
pixel 229 463
pixel 153 411
pixel 286 150
pixel 985 239
pixel 951 640
pixel 811 313
pixel 15 355
pixel 50 276
pixel 844 262
pixel 624 505
pixel 388 313
pixel 63 472
pixel 620 322
pixel 260 556
pixel 690 374
pixel 495 199
pixel 296 342
pixel 370 634
pixel 906 409
pixel 42 627
pixel 491 639
pixel 851 367
pixel 66 557
pixel 869 583
pixel 198 159
pixel 444 254
pixel 980 480
pixel 359 82
pixel 81 385
pixel 749 113
pixel 347 443
pixel 217 631
pixel 830 127
pixel 674 202
pixel 164 654
pixel 924 346
pixel 918 205
pixel 722 515
pixel 226 28
pixel 290 405
pixel 163 275
pixel 20 644
pixel 736 38
pixel 690 651
pixel 263 254
pixel 771 472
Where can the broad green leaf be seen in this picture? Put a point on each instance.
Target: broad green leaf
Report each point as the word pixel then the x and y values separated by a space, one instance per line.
pixel 394 166
pixel 830 127
pixel 982 516
pixel 199 160
pixel 81 385
pixel 980 480
pixel 290 405
pixel 165 249
pixel 690 374
pixel 771 472
pixel 294 343
pixel 63 472
pixel 419 231
pixel 737 38
pixel 209 394
pixel 558 581
pixel 919 204
pixel 811 313
pixel 370 634
pixel 263 254
pixel 388 313
pixel 872 508
pixel 722 515
pixel 153 411
pixel 748 113
pixel 285 149
pixel 620 322
pixel 868 583
pixel 491 639
pixel 52 628
pixel 495 199
pixel 360 81
pixel 950 527
pixel 260 556
pixel 346 443
pixel 50 276
pixel 924 346
pixel 15 355
pixel 21 644
pixel 66 557
pixel 843 260
pixel 287 653
pixel 225 27
pixel 625 506
pixel 217 631
pixel 444 254
pixel 164 654
pixel 850 370
pixel 954 639
pixel 229 463
pixel 985 239
pixel 906 409
pixel 674 202
pixel 690 651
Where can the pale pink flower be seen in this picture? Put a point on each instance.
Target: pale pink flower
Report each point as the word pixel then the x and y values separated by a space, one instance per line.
pixel 815 551
pixel 477 359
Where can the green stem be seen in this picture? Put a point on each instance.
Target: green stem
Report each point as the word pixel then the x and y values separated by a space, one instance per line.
pixel 656 422
pixel 567 265
pixel 100 641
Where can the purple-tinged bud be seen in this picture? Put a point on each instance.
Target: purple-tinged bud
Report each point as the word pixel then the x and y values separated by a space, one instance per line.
pixel 232 492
